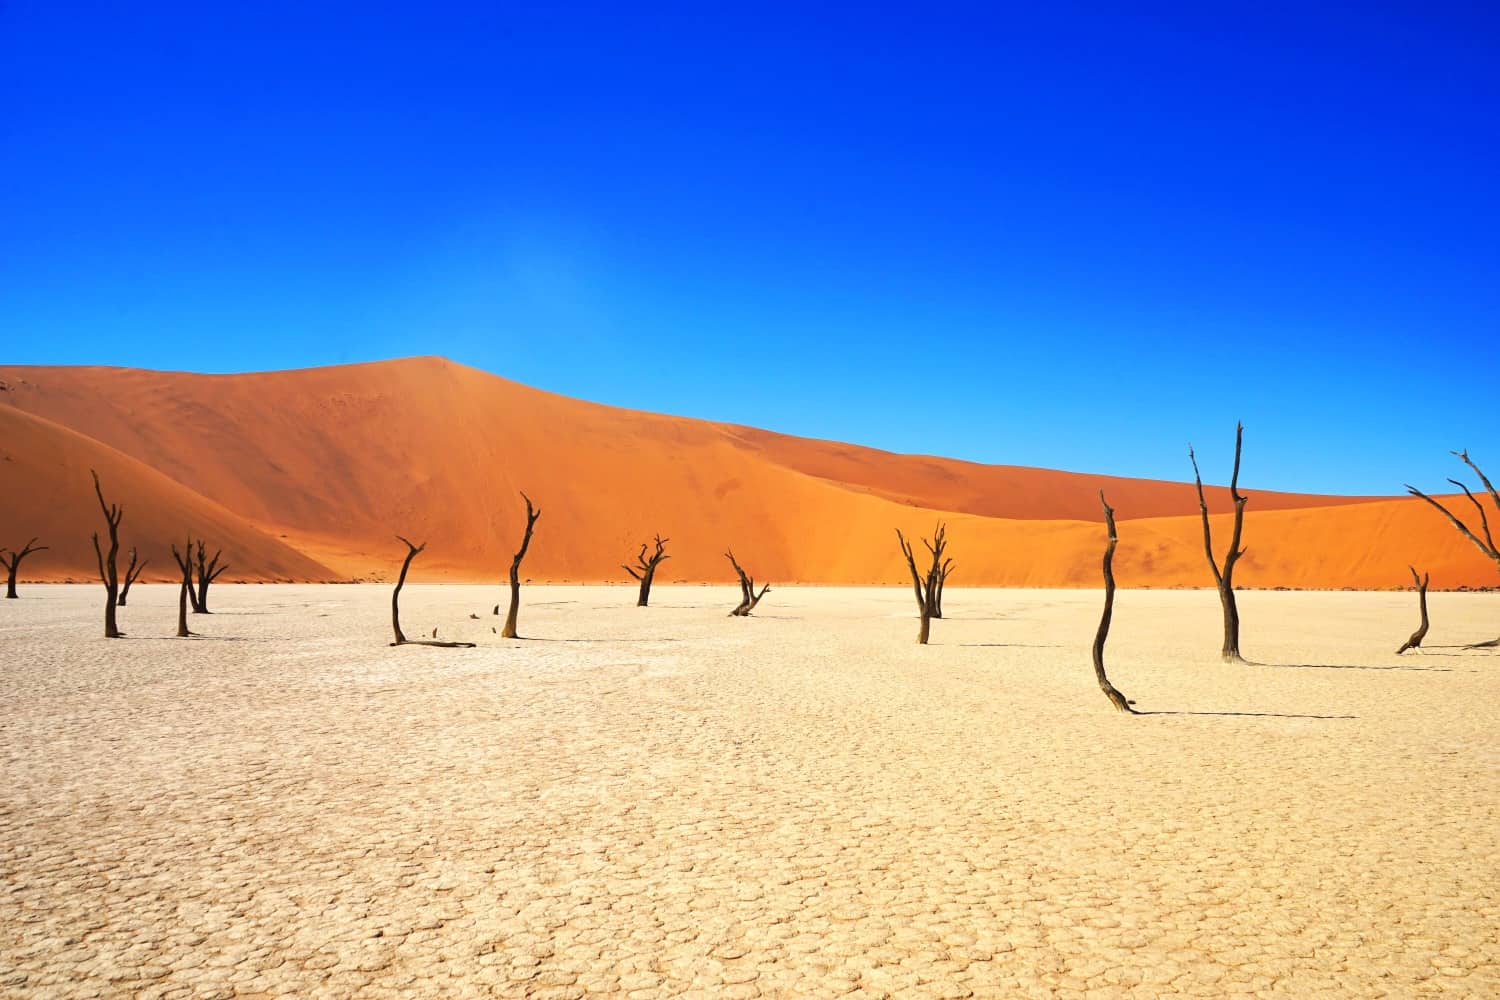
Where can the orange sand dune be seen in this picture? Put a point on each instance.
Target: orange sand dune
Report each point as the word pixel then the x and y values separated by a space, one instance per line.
pixel 335 461
pixel 1000 490
pixel 48 493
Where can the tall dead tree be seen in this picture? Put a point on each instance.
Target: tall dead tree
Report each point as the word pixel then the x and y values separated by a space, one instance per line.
pixel 132 573
pixel 1487 545
pixel 748 597
pixel 108 572
pixel 184 561
pixel 209 570
pixel 937 605
pixel 1121 703
pixel 929 588
pixel 401 639
pixel 11 560
pixel 1224 579
pixel 532 513
pixel 645 569
pixel 1415 642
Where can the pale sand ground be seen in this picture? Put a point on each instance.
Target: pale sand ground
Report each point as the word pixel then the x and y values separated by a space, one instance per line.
pixel 800 804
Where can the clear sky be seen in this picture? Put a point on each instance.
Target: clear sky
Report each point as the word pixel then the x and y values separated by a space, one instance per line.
pixel 1052 235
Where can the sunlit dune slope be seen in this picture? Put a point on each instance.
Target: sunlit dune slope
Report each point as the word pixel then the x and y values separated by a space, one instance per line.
pixel 336 461
pixel 998 490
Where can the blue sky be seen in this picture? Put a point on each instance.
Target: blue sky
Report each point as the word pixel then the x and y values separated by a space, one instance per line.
pixel 1056 235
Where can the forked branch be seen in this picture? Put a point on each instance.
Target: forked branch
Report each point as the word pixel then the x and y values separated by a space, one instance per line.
pixel 1224 578
pixel 1485 544
pixel 1415 642
pixel 132 572
pixel 401 639
pixel 532 513
pixel 107 559
pixel 184 561
pixel 11 560
pixel 748 596
pixel 645 569
pixel 928 589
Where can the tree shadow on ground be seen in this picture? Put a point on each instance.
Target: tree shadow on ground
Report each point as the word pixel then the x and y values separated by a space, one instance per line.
pixel 542 638
pixel 1247 715
pixel 1013 645
pixel 1349 666
pixel 196 637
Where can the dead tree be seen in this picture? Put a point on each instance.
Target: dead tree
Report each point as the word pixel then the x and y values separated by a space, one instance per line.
pixel 209 570
pixel 645 569
pixel 11 560
pixel 1487 545
pixel 937 605
pixel 928 589
pixel 509 632
pixel 185 563
pixel 1224 579
pixel 132 573
pixel 108 572
pixel 748 596
pixel 401 639
pixel 1415 642
pixel 1121 703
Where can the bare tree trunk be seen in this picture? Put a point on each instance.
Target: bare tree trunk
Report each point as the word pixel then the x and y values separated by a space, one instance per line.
pixel 132 573
pixel 209 570
pixel 1121 703
pixel 1487 546
pixel 108 571
pixel 1231 649
pixel 645 569
pixel 509 631
pixel 928 591
pixel 748 597
pixel 1415 642
pixel 401 639
pixel 11 560
pixel 411 553
pixel 942 585
pixel 184 561
pixel 1225 580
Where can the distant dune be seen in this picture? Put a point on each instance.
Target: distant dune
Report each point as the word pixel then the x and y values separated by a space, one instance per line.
pixel 308 475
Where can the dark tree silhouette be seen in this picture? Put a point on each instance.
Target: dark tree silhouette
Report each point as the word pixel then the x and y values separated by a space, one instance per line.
pixel 401 639
pixel 1415 642
pixel 1487 545
pixel 11 560
pixel 509 631
pixel 108 571
pixel 209 570
pixel 942 584
pixel 645 569
pixel 928 589
pixel 748 597
pixel 1224 579
pixel 1121 703
pixel 132 573
pixel 184 561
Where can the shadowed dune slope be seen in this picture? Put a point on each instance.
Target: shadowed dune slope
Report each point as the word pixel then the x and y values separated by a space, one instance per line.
pixel 48 493
pixel 335 461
